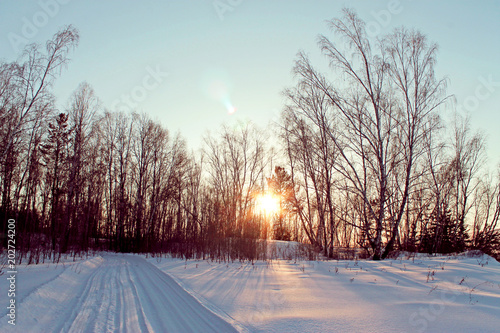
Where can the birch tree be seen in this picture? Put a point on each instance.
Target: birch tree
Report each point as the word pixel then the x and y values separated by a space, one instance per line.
pixel 378 109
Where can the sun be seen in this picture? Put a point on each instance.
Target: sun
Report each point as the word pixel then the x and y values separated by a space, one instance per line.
pixel 267 203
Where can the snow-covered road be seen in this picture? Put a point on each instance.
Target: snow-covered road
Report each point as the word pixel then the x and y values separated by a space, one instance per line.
pixel 112 293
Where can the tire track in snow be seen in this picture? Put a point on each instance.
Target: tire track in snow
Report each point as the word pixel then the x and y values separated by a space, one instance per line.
pixel 97 313
pixel 83 310
pixel 133 296
pixel 95 310
pixel 169 306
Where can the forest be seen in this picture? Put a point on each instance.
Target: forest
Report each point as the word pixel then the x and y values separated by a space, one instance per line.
pixel 360 159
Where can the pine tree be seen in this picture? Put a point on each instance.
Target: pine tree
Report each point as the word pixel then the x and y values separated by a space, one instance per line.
pixel 445 235
pixel 55 153
pixel 281 185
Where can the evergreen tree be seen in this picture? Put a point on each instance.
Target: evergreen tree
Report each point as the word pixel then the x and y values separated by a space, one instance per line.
pixel 55 153
pixel 281 185
pixel 444 234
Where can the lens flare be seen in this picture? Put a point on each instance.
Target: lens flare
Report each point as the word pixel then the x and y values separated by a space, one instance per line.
pixel 216 84
pixel 229 107
pixel 267 203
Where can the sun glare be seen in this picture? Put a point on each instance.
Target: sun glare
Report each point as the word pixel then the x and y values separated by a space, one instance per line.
pixel 267 203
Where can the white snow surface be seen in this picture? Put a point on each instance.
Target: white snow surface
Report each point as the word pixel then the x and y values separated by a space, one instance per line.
pixel 109 293
pixel 461 294
pixel 131 293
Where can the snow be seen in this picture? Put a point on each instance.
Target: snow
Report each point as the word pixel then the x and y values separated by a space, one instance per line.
pixel 462 295
pixel 131 293
pixel 112 293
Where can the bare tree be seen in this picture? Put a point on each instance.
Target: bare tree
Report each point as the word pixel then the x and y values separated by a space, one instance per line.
pixel 468 159
pixel 34 77
pixel 486 207
pixel 411 61
pixel 235 165
pixel 26 105
pixel 378 123
pixel 309 109
pixel 83 108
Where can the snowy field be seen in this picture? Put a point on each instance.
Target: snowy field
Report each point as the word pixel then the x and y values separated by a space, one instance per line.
pixel 131 293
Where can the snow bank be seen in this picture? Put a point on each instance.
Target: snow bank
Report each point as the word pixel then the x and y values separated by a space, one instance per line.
pixel 421 294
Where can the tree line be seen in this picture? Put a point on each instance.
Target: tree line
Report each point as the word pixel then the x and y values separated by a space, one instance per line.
pixel 362 160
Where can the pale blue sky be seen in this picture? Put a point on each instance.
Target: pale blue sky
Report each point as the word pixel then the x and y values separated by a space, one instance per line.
pixel 242 57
